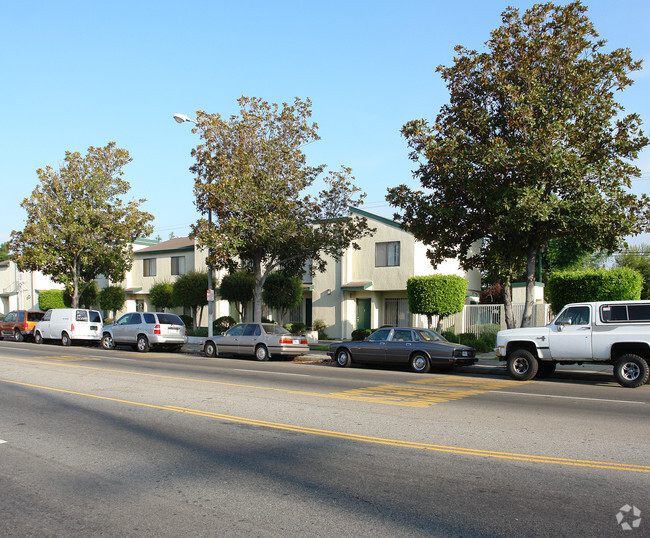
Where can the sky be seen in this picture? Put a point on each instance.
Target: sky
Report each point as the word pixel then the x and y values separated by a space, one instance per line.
pixel 81 74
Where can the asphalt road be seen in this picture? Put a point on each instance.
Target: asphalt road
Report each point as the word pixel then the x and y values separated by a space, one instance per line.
pixel 116 443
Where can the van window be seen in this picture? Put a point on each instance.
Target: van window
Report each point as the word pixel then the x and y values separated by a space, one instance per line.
pixel 47 316
pixel 95 317
pixel 82 315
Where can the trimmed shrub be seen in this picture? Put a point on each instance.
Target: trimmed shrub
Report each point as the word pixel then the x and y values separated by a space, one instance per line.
pixel 222 324
pixel 436 295
pixel 188 320
pixel 53 299
pixel 360 334
pixel 622 284
pixel 320 326
pixel 296 327
pixel 112 298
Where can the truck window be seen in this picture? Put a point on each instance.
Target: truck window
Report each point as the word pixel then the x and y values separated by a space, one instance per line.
pixel 574 315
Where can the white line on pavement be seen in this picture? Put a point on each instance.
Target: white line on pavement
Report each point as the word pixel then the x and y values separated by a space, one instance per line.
pixel 265 372
pixel 567 397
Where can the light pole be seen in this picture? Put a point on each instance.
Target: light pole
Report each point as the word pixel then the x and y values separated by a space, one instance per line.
pixel 182 118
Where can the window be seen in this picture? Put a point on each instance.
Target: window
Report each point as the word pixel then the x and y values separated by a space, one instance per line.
pixel 574 315
pixel 379 336
pixel 149 267
pixel 82 315
pixel 402 335
pixel 252 329
pixel 150 318
pixel 178 265
pixel 621 312
pixel 396 312
pixel 387 254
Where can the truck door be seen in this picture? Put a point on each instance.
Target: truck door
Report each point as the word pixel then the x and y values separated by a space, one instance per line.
pixel 570 334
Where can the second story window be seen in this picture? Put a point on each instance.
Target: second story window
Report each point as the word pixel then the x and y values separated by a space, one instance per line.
pixel 178 265
pixel 149 267
pixel 387 254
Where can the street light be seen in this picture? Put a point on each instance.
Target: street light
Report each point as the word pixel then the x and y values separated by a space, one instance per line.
pixel 182 118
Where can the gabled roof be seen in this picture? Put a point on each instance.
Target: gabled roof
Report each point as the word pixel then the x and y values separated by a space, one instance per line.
pixel 376 217
pixel 176 244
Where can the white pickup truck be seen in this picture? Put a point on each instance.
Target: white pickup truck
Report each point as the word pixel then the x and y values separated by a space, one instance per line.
pixel 614 332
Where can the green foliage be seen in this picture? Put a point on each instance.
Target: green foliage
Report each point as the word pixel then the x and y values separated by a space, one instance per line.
pixel 531 147
pixel 53 299
pixel 360 334
pixel 89 296
pixel 436 295
pixel 4 251
pixel 482 344
pixel 296 327
pixel 77 226
pixel 637 258
pixel 112 298
pixel 320 326
pixel 238 288
pixel 222 324
pixel 252 174
pixel 160 295
pixel 190 291
pixel 189 322
pixel 593 285
pixel 282 292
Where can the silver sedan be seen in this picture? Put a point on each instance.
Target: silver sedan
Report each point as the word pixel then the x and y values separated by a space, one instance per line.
pixel 260 340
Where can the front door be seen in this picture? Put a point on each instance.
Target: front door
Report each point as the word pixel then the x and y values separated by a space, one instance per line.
pixel 570 335
pixel 363 313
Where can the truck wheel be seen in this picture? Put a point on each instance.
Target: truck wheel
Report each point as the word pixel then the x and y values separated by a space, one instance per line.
pixel 522 365
pixel 631 371
pixel 18 336
pixel 546 368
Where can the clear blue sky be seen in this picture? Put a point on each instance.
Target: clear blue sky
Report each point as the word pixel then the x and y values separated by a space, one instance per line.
pixel 80 74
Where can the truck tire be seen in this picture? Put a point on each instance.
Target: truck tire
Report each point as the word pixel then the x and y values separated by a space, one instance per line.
pixel 522 365
pixel 631 371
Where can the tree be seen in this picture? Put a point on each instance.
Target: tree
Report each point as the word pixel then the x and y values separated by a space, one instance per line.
pixel 189 291
pixel 89 296
pixel 638 258
pixel 251 175
pixel 160 295
pixel 112 298
pixel 282 292
pixel 436 295
pixel 77 225
pixel 4 251
pixel 531 147
pixel 238 288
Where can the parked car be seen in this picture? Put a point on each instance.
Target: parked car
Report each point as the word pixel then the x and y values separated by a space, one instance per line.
pixel 419 348
pixel 145 330
pixel 19 324
pixel 68 325
pixel 261 340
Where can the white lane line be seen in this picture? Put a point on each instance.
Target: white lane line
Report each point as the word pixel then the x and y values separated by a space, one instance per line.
pixel 2 441
pixel 565 397
pixel 265 372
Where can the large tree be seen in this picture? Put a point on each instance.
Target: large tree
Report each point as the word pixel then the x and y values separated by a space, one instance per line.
pixel 77 225
pixel 532 146
pixel 252 177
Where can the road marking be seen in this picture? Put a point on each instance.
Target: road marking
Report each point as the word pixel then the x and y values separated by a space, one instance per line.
pixel 567 397
pixel 265 372
pixel 531 458
pixel 71 358
pixel 2 441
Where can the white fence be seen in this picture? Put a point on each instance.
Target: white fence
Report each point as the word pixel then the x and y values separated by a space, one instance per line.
pixel 478 319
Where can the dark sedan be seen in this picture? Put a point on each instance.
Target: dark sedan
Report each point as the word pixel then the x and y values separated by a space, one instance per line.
pixel 419 348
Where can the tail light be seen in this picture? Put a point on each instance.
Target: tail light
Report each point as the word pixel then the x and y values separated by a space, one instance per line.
pixel 156 329
pixel 185 331
pixel 303 341
pixel 72 327
pixel 286 340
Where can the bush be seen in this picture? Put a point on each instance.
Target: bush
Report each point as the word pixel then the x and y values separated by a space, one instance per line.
pixel 199 331
pixel 360 334
pixel 622 284
pixel 53 299
pixel 222 324
pixel 297 327
pixel 188 320
pixel 320 326
pixel 436 295
pixel 483 344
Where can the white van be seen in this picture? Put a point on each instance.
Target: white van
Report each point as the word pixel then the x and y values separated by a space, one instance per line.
pixel 68 325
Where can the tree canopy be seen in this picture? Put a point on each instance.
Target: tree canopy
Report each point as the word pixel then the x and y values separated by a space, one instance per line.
pixel 189 290
pixel 77 226
pixel 282 292
pixel 531 147
pixel 252 177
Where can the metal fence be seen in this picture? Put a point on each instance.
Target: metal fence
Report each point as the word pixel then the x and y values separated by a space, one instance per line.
pixel 479 319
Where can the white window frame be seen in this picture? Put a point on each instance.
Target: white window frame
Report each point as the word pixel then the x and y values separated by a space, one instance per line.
pixel 387 254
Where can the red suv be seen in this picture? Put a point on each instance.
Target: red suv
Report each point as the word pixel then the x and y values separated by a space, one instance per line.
pixel 19 324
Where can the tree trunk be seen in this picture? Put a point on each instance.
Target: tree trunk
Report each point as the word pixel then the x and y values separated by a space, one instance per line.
pixel 531 257
pixel 507 305
pixel 430 320
pixel 257 290
pixel 75 287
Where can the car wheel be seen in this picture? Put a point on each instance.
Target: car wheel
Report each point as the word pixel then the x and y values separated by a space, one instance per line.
pixel 107 342
pixel 420 363
pixel 343 358
pixel 631 371
pixel 65 339
pixel 38 339
pixel 522 365
pixel 261 353
pixel 18 336
pixel 546 369
pixel 210 349
pixel 142 345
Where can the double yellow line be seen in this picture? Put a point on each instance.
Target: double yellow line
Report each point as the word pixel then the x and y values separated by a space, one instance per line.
pixel 362 438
